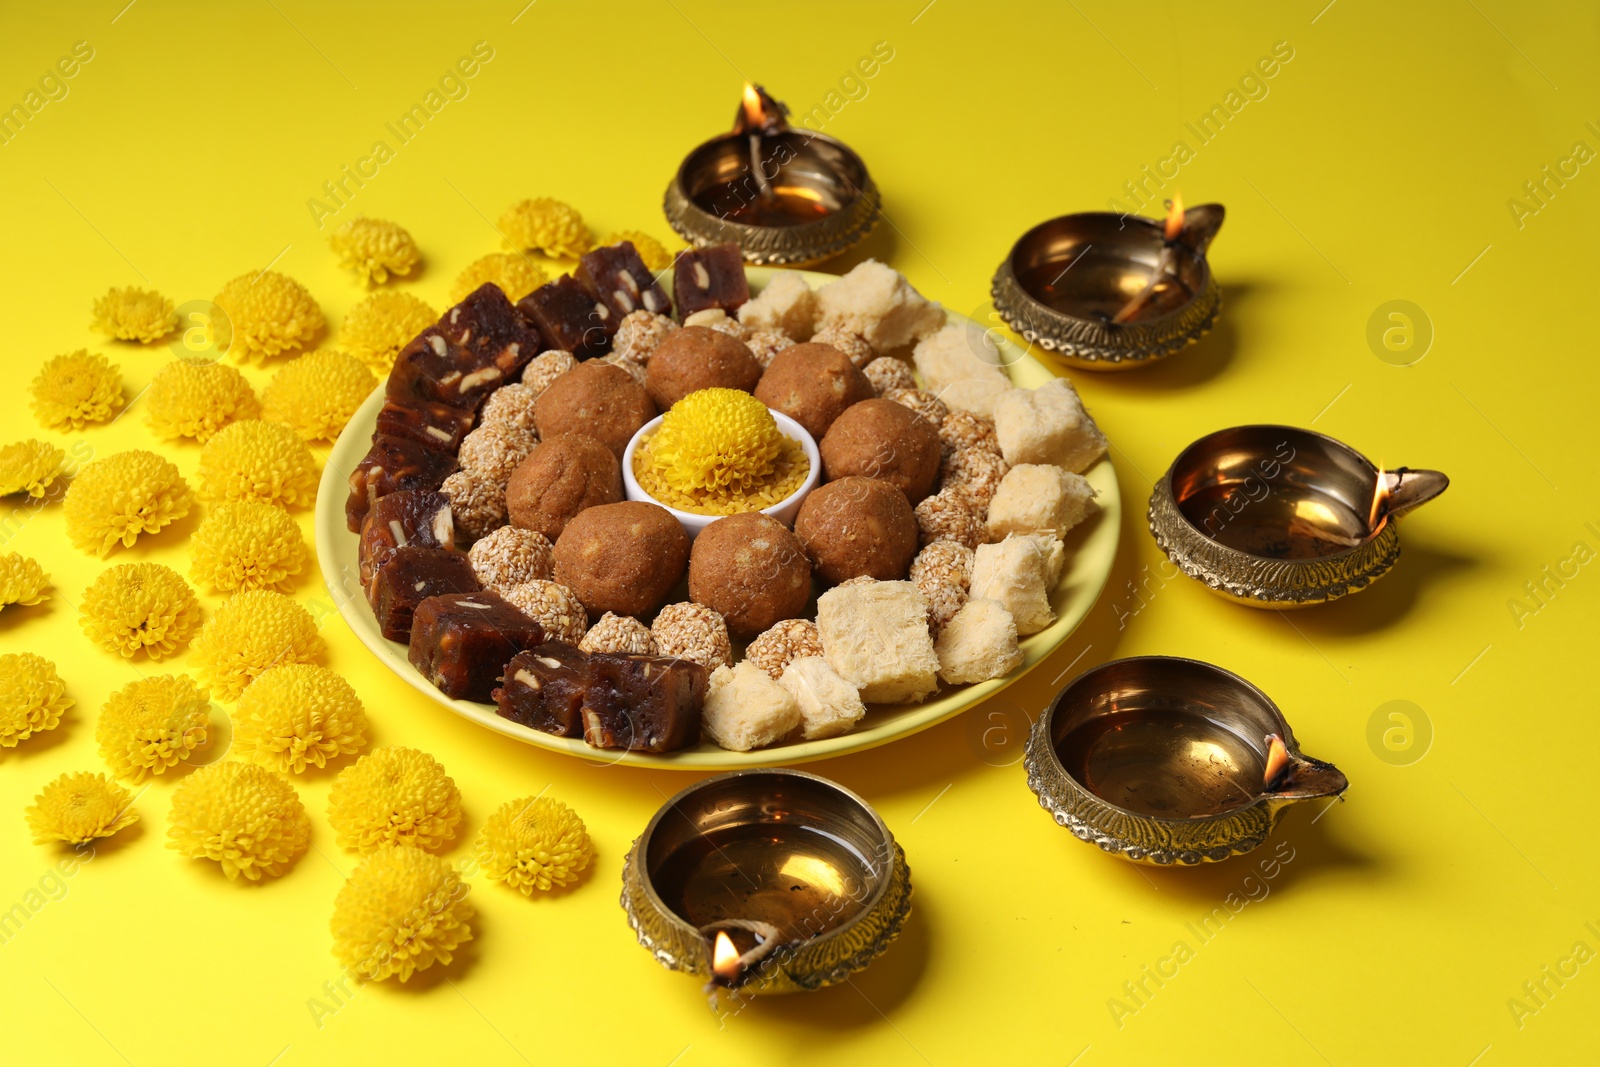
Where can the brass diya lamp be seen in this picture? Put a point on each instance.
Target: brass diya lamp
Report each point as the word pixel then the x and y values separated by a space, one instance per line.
pixel 787 196
pixel 766 881
pixel 1279 517
pixel 1165 760
pixel 1106 291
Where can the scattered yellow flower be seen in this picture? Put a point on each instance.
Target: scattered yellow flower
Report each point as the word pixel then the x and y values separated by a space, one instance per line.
pixel 246 545
pixel 147 726
pixel 245 817
pixel 76 389
pixel 29 467
pixel 140 606
pixel 374 249
pixel 266 313
pixel 257 460
pixel 77 808
pixel 394 795
pixel 377 329
pixel 197 399
pixel 318 392
pixel 401 912
pixel 248 635
pixel 298 714
pixel 652 251
pixel 548 226
pixel 22 581
pixel 122 496
pixel 514 273
pixel 32 697
pixel 134 315
pixel 534 843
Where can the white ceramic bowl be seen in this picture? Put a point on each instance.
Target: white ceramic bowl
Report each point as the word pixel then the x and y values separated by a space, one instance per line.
pixel 784 511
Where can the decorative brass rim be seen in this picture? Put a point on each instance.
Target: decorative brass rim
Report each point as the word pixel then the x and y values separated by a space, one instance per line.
pixel 782 246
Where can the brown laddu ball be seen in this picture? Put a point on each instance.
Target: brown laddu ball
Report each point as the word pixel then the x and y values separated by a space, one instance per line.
pixel 622 557
pixel 597 399
pixel 884 440
pixel 813 384
pixel 695 358
pixel 752 569
pixel 564 475
pixel 857 526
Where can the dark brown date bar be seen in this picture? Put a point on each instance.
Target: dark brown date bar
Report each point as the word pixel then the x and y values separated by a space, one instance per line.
pixel 411 576
pixel 462 642
pixel 419 518
pixel 711 277
pixel 476 347
pixel 391 465
pixel 544 688
pixel 567 316
pixel 439 426
pixel 643 703
pixel 618 278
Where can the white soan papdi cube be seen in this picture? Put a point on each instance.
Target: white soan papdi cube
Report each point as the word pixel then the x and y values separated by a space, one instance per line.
pixel 978 643
pixel 961 365
pixel 875 635
pixel 1048 425
pixel 746 709
pixel 788 304
pixel 829 705
pixel 877 302
pixel 1014 573
pixel 977 395
pixel 1054 553
pixel 1039 498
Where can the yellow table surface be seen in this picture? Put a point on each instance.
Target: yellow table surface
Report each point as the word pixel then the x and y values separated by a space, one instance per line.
pixel 1377 163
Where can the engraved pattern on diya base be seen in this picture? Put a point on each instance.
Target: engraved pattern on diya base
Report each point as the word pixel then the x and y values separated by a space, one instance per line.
pixel 812 964
pixel 1260 581
pixel 786 246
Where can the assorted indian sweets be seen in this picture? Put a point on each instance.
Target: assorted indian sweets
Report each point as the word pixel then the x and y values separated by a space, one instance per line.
pixel 496 538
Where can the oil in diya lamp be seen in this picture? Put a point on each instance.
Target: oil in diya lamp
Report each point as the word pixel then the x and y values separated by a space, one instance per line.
pixel 786 196
pixel 1106 291
pixel 1279 517
pixel 766 881
pixel 1165 760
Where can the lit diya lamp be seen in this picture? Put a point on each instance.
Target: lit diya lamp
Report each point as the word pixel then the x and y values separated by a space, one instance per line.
pixel 787 196
pixel 1279 517
pixel 766 881
pixel 1167 761
pixel 1106 291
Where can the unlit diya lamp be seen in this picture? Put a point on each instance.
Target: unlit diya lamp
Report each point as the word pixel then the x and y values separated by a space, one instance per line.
pixel 1279 517
pixel 1106 291
pixel 787 196
pixel 1166 761
pixel 766 881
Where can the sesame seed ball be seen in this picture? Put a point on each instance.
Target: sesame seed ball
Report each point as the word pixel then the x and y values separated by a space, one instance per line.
pixel 693 632
pixel 494 450
pixel 477 502
pixel 765 344
pixel 968 429
pixel 886 373
pixel 783 643
pixel 510 556
pixel 948 515
pixel 851 344
pixel 621 635
pixel 545 368
pixel 973 473
pixel 551 605
pixel 510 405
pixel 639 333
pixel 922 402
pixel 942 572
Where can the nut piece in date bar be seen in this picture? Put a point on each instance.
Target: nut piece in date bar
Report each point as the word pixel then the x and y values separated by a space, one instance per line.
pixel 544 688
pixel 478 346
pixel 643 703
pixel 568 317
pixel 461 642
pixel 411 576
pixel 709 278
pixel 415 517
pixel 618 278
pixel 392 465
pixel 439 426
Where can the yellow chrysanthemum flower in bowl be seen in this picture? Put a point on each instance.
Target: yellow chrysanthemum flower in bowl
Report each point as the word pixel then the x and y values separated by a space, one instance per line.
pixel 22 581
pixel 374 249
pixel 247 545
pixel 32 697
pixel 401 912
pixel 318 392
pixel 394 795
pixel 75 390
pixel 257 460
pixel 77 808
pixel 377 329
pixel 719 452
pixel 29 467
pixel 244 817
pixel 296 715
pixel 137 607
pixel 251 633
pixel 266 314
pixel 132 314
pixel 534 843
pixel 653 252
pixel 514 273
pixel 148 725
pixel 197 399
pixel 122 496
pixel 546 225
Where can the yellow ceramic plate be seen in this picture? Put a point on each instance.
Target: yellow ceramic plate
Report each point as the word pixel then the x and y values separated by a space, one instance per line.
pixel 1091 550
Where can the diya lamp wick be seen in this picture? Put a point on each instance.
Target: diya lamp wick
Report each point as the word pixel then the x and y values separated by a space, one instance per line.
pixel 1166 264
pixel 730 968
pixel 756 118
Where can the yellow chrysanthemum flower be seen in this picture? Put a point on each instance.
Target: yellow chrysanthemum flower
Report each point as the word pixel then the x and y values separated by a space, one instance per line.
pixel 257 460
pixel 394 796
pixel 197 399
pixel 77 389
pixel 248 635
pixel 534 843
pixel 374 249
pixel 140 606
pixel 514 273
pixel 246 545
pixel 401 912
pixel 548 226
pixel 131 314
pixel 298 714
pixel 32 697
pixel 317 393
pixel 77 808
pixel 22 581
pixel 147 726
pixel 653 252
pixel 29 467
pixel 377 329
pixel 267 313
pixel 718 451
pixel 122 496
pixel 245 817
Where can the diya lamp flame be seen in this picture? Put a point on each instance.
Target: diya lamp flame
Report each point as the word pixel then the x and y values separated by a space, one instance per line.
pixel 1174 217
pixel 1380 497
pixel 1166 268
pixel 1278 761
pixel 731 968
pixel 724 956
pixel 759 112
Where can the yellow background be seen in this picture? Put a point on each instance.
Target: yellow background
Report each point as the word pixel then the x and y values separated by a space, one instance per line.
pixel 1378 167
